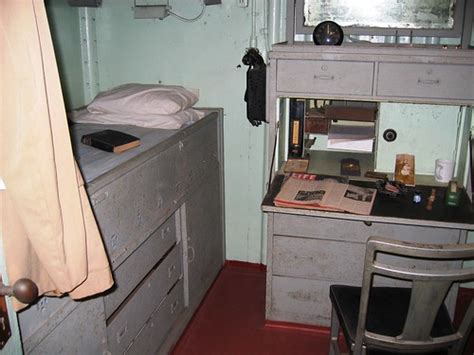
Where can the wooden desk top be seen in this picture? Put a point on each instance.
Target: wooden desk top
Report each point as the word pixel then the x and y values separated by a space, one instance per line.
pixel 400 210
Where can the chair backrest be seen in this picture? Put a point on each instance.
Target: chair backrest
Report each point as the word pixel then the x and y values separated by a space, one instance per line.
pixel 429 289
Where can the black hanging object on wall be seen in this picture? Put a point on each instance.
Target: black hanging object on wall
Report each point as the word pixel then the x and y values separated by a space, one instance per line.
pixel 256 81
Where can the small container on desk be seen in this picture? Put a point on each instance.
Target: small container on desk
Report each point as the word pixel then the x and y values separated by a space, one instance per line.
pixel 453 194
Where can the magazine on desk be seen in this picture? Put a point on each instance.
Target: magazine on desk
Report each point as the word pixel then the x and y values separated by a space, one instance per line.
pixel 306 191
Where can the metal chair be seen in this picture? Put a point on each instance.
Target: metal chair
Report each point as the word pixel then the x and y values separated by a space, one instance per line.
pixel 384 320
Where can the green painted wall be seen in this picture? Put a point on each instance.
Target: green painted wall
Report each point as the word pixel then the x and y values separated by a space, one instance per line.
pixel 64 23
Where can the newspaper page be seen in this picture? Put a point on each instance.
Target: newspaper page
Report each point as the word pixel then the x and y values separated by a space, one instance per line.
pixel 358 200
pixel 305 191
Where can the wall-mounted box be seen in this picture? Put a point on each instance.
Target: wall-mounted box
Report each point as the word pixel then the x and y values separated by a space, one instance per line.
pixel 148 9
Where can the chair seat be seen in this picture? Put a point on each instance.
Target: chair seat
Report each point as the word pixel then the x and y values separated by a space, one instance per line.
pixel 386 314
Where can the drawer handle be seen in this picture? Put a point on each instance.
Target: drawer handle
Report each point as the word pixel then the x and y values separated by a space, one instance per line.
pixel 368 223
pixel 191 259
pixel 429 81
pixel 99 198
pixel 170 270
pixel 119 335
pixel 324 77
pixel 174 305
pixel 165 232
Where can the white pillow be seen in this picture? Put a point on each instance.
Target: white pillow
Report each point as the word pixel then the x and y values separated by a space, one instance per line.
pixel 144 99
pixel 174 121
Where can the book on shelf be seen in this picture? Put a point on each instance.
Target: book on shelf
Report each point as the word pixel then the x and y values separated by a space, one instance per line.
pixel 350 113
pixel 111 141
pixel 329 194
pixel 315 121
pixel 296 129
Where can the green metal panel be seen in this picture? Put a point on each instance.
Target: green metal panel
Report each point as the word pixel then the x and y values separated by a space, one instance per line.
pixel 64 24
pixel 427 131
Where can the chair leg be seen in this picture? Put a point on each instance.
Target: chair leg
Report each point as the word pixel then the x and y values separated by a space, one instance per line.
pixel 464 329
pixel 333 343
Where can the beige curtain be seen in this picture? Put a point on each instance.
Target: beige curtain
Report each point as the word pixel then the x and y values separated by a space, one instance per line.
pixel 49 232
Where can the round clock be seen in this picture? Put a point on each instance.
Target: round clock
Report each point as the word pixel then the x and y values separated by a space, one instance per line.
pixel 328 33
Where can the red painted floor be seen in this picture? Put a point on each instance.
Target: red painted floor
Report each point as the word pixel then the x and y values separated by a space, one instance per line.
pixel 231 321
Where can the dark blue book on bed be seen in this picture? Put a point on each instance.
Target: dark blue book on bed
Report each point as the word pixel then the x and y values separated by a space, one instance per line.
pixel 111 141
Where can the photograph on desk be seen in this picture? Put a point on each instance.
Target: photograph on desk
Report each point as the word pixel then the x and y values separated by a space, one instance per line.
pixel 405 169
pixel 299 191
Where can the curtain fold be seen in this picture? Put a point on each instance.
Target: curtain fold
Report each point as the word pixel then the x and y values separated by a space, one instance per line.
pixel 49 232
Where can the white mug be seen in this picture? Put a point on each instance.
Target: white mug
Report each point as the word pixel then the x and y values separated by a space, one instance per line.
pixel 444 169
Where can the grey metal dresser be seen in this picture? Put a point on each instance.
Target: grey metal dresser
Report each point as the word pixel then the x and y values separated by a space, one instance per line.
pixel 161 214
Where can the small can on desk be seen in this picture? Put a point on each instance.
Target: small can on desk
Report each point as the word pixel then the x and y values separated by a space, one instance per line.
pixel 417 196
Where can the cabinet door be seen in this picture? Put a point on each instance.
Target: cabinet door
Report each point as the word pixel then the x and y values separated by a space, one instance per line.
pixel 205 235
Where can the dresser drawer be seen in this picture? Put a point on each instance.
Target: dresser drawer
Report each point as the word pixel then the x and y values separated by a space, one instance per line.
pixel 325 77
pixel 318 259
pixel 129 274
pixel 300 301
pixel 339 261
pixel 126 323
pixel 81 331
pixel 39 320
pixel 426 81
pixel 358 231
pixel 136 203
pixel 154 332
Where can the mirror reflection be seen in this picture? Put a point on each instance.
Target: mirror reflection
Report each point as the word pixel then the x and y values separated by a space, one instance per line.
pixel 407 14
